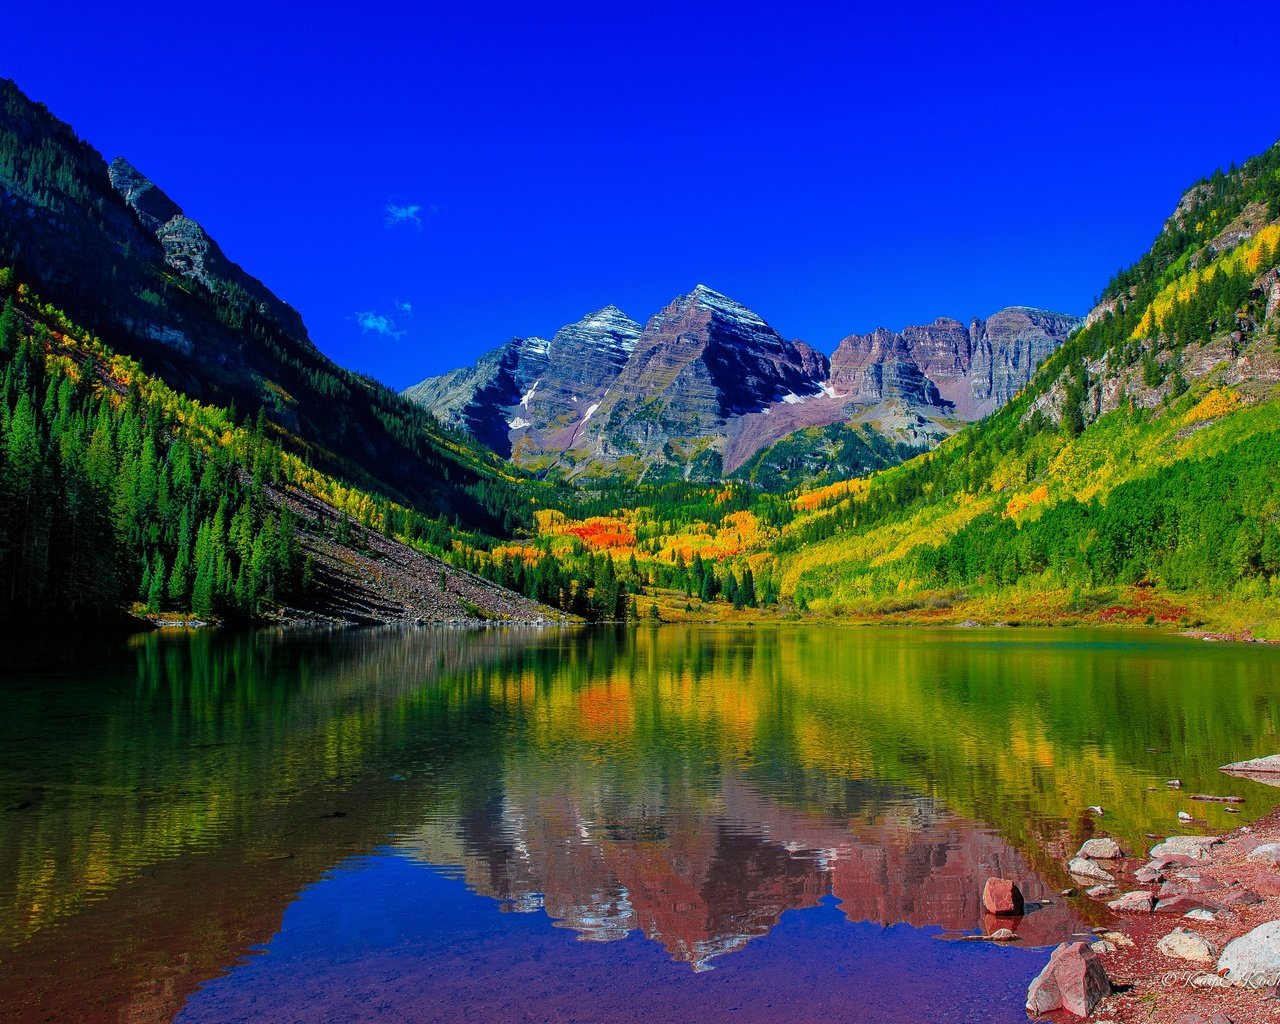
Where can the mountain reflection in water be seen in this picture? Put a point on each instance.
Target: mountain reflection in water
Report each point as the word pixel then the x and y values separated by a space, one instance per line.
pixel 167 800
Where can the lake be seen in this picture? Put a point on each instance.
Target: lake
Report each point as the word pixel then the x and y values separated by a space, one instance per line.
pixel 667 823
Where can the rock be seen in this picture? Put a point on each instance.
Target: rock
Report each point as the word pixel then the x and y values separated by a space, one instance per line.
pixel 1184 817
pixel 1259 765
pixel 1101 849
pixel 1098 891
pixel 1267 853
pixel 1170 860
pixel 1140 901
pixel 1072 980
pixel 1174 783
pixel 1181 887
pixel 1102 946
pixel 1068 892
pixel 1003 935
pixel 1243 898
pixel 1200 915
pixel 1194 847
pixel 1148 874
pixel 1253 960
pixel 1001 896
pixel 1184 944
pixel 1118 938
pixel 1185 904
pixel 1199 1018
pixel 1261 769
pixel 1083 867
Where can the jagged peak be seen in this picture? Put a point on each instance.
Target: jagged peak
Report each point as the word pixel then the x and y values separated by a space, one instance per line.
pixel 609 325
pixel 719 304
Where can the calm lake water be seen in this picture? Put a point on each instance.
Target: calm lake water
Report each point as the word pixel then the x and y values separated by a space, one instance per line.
pixel 666 824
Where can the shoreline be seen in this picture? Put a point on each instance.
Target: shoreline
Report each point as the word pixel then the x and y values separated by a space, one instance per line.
pixel 1228 896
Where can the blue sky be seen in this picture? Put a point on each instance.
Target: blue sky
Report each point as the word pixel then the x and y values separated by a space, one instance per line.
pixel 424 181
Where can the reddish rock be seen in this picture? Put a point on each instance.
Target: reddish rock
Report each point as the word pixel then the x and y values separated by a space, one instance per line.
pixel 1242 898
pixel 1140 901
pixel 1072 980
pixel 1182 886
pixel 1186 902
pixel 1001 897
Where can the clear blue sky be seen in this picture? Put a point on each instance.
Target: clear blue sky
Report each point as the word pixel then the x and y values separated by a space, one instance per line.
pixel 833 169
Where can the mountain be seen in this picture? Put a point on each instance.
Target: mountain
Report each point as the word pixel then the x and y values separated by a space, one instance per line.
pixel 531 394
pixel 708 388
pixel 120 257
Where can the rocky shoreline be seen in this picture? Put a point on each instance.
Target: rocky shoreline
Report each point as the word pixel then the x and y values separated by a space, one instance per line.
pixel 1195 934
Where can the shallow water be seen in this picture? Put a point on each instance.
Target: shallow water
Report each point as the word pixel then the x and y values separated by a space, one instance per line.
pixel 599 825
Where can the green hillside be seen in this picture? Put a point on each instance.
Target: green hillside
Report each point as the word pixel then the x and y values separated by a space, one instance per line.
pixel 1144 453
pixel 213 332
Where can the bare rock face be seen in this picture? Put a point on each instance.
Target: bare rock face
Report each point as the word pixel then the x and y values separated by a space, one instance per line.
pixel 1072 980
pixel 700 362
pixel 1001 897
pixel 528 399
pixel 707 384
pixel 189 250
pixel 964 372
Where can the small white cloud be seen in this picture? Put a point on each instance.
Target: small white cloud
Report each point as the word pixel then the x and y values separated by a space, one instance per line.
pixel 409 213
pixel 405 307
pixel 374 322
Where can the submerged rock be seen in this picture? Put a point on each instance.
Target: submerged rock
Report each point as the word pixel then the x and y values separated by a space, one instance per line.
pixel 1000 896
pixel 1072 980
pixel 1083 867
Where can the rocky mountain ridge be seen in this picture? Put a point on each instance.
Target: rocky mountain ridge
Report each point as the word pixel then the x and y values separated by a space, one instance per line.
pixel 707 386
